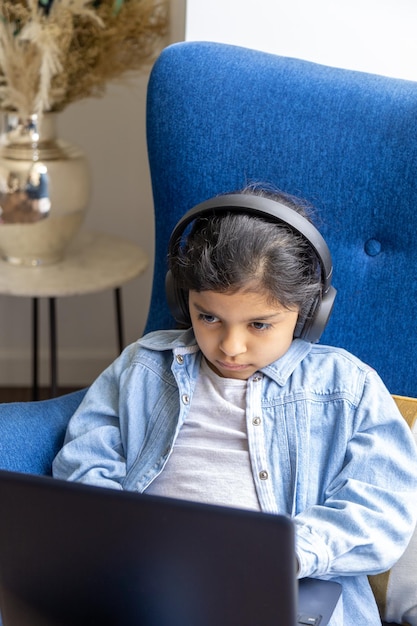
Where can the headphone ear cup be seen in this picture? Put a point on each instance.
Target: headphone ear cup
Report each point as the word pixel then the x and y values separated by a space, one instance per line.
pixel 312 327
pixel 177 300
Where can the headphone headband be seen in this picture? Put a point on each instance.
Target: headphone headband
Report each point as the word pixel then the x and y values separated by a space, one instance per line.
pixel 266 208
pixel 310 327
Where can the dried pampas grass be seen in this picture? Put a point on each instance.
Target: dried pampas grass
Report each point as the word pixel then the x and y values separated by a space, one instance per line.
pixel 50 58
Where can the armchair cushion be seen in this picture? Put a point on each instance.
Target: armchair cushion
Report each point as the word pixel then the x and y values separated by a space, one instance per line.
pixel 396 590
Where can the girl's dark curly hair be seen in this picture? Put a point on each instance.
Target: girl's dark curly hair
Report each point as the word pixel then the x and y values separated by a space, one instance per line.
pixel 233 251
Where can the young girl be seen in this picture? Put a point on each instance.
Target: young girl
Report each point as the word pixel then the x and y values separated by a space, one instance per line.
pixel 241 410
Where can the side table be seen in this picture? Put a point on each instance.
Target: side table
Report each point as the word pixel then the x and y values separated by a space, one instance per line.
pixel 93 262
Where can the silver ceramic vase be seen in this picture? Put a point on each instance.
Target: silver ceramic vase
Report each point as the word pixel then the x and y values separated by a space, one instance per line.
pixel 44 191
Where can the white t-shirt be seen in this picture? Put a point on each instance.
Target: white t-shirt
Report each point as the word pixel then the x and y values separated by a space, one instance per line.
pixel 210 460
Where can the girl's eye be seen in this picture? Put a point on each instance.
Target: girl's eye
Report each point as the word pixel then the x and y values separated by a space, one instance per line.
pixel 208 319
pixel 260 325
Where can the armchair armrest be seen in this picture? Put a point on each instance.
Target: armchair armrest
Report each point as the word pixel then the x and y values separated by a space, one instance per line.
pixel 396 590
pixel 31 433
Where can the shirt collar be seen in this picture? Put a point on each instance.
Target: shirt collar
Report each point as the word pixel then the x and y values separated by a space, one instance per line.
pixel 281 369
pixel 176 340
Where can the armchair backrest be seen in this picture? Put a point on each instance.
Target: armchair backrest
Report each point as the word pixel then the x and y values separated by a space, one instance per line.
pixel 221 116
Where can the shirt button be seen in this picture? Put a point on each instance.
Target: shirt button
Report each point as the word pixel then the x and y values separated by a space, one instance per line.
pixel 185 398
pixel 256 379
pixel 256 421
pixel 263 475
pixel 180 359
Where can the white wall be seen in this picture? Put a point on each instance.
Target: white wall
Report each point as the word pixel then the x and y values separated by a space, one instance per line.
pixel 377 36
pixel 111 130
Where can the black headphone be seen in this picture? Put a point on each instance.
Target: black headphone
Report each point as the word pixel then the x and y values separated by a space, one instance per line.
pixel 309 327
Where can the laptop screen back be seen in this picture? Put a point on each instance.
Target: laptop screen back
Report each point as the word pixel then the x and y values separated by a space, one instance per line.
pixel 71 554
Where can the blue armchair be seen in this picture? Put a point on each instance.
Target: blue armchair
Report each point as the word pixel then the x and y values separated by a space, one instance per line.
pixel 220 116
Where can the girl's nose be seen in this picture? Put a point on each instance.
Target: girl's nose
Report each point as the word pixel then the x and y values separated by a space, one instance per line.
pixel 232 343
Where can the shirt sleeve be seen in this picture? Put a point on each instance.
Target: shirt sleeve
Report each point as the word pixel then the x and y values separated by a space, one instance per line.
pixel 93 450
pixel 370 508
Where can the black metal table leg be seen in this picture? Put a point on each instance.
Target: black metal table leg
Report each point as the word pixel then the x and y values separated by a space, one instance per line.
pixel 119 318
pixel 53 358
pixel 35 348
pixel 53 348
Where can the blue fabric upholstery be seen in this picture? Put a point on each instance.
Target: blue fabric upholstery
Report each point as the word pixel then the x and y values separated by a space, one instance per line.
pixel 221 116
pixel 31 433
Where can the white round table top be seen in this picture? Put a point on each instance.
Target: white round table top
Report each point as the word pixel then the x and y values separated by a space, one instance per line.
pixel 93 262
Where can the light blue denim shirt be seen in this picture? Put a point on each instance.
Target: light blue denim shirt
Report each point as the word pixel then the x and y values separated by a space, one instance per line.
pixel 327 446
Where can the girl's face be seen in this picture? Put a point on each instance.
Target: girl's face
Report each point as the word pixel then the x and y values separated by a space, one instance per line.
pixel 242 332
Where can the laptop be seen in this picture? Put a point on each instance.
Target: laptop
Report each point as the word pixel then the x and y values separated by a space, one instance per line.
pixel 76 555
